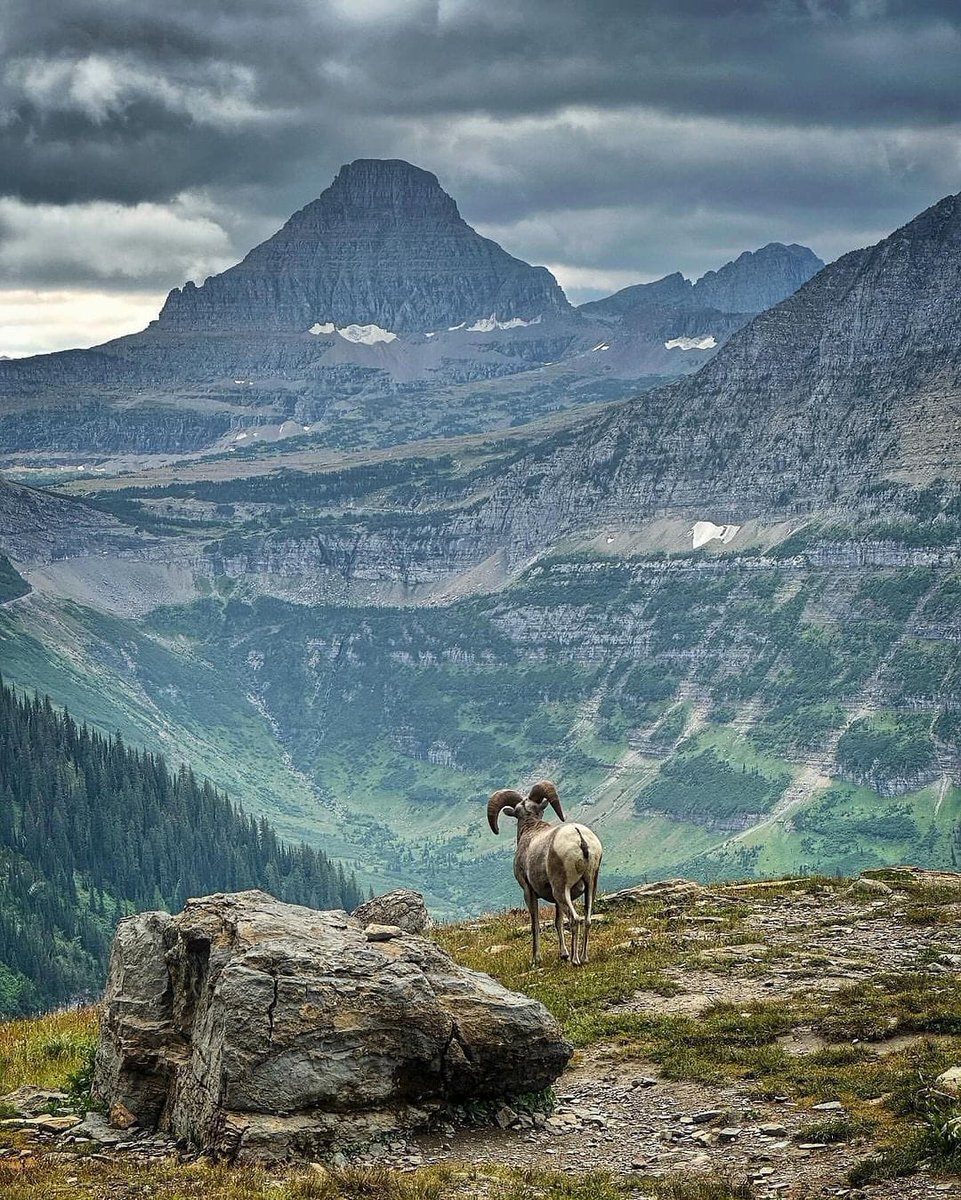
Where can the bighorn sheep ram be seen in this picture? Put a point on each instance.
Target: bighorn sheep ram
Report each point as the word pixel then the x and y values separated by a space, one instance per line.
pixel 556 863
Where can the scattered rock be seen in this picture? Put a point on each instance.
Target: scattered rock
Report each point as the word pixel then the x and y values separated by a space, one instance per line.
pixel 865 886
pixel 404 908
pixel 121 1117
pixel 828 1106
pixel 96 1128
pixel 48 1124
pixel 949 1081
pixel 665 889
pixel 261 1030
pixel 28 1101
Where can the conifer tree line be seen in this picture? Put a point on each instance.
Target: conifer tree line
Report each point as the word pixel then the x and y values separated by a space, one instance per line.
pixel 92 830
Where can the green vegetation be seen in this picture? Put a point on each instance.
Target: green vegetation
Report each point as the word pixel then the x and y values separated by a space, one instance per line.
pixel 885 748
pixel 703 787
pixel 48 1051
pixel 91 830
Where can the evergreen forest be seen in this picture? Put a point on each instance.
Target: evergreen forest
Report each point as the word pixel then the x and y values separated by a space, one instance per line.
pixel 92 830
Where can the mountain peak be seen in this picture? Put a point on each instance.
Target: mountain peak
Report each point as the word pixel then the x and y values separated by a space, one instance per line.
pixel 758 279
pixel 383 245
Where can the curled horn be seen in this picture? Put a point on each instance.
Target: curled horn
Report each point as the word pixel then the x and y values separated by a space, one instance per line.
pixel 500 800
pixel 545 790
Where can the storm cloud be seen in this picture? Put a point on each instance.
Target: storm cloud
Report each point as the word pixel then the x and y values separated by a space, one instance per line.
pixel 614 141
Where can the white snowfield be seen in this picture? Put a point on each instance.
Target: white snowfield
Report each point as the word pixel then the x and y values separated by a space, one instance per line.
pixel 692 343
pixel 364 335
pixel 489 324
pixel 703 532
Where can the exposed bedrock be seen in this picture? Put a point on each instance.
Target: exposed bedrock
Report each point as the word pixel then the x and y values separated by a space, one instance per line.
pixel 265 1031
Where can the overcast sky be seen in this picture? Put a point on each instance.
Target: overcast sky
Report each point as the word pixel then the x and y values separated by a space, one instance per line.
pixel 145 143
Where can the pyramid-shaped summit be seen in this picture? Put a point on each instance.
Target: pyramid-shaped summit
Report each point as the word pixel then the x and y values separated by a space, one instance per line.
pixel 383 245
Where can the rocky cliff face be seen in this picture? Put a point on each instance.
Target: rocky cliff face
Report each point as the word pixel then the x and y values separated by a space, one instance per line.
pixel 383 245
pixel 853 380
pixel 673 326
pixel 758 279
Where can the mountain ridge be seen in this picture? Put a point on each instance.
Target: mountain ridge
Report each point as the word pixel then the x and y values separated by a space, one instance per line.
pixel 375 316
pixel 384 244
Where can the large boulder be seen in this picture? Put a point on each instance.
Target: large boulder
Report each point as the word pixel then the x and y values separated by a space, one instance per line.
pixel 404 908
pixel 262 1030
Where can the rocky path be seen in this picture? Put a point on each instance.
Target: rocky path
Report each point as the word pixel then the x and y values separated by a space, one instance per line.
pixel 623 1116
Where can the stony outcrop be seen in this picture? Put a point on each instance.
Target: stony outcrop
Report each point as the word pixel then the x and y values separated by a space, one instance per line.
pixel 403 909
pixel 262 1030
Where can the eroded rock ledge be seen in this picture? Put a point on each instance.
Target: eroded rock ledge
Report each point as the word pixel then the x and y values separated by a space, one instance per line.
pixel 262 1030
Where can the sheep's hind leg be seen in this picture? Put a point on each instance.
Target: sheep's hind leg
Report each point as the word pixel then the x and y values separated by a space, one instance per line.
pixel 559 926
pixel 533 907
pixel 590 891
pixel 575 920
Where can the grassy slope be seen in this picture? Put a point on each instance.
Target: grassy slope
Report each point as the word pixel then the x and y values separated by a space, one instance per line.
pixel 338 682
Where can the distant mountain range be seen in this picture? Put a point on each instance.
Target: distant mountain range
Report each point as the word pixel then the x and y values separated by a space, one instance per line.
pixel 376 315
pixel 722 614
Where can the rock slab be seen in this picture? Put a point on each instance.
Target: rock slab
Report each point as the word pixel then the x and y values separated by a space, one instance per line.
pixel 403 908
pixel 259 1030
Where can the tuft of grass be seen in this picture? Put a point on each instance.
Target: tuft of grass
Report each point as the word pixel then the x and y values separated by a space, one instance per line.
pixel 46 1051
pixel 840 1129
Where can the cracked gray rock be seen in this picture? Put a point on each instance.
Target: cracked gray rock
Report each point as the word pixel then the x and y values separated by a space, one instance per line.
pixel 402 907
pixel 265 1031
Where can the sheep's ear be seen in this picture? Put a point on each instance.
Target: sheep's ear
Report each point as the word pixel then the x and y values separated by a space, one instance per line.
pixel 508 812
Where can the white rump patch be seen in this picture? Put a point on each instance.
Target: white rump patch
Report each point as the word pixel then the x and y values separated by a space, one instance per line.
pixel 703 532
pixel 692 343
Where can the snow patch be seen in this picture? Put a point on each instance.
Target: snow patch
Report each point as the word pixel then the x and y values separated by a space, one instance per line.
pixel 692 343
pixel 703 532
pixel 366 335
pixel 600 346
pixel 489 324
pixel 362 335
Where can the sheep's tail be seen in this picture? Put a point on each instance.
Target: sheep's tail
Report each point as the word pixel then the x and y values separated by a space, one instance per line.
pixel 584 849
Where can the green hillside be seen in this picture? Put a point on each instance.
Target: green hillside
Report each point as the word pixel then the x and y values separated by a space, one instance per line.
pixel 739 713
pixel 91 829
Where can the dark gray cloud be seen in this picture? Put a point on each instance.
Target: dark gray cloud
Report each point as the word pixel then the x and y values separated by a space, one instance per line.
pixel 595 135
